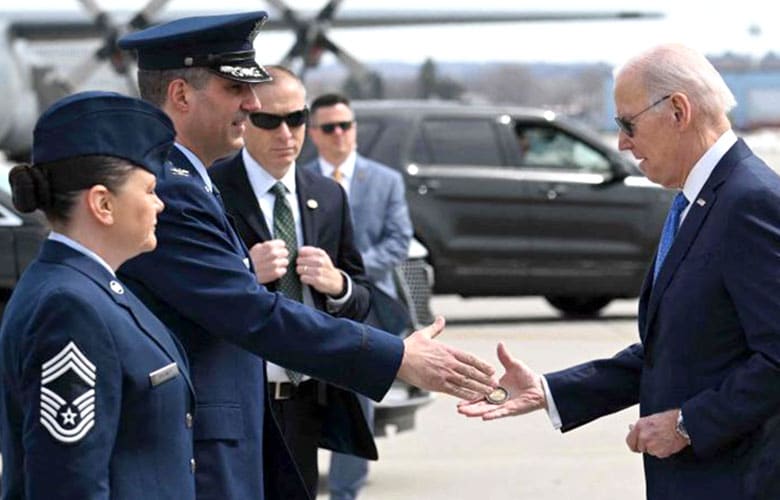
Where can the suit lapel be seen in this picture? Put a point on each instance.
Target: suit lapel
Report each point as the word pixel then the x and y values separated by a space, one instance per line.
pixel 697 214
pixel 246 202
pixel 358 192
pixel 308 206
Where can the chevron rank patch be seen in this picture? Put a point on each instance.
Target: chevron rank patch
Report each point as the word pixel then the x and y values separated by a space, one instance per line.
pixel 68 395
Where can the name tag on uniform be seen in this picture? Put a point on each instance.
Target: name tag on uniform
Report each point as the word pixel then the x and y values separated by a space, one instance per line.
pixel 164 374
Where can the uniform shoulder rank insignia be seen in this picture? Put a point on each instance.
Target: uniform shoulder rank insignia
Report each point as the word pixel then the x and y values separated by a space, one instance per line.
pixel 181 172
pixel 68 395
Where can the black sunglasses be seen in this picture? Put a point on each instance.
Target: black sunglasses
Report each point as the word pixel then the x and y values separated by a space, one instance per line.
pixel 627 124
pixel 329 128
pixel 268 121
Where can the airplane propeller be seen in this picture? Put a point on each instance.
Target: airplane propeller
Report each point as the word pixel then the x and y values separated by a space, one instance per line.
pixel 311 40
pixel 110 32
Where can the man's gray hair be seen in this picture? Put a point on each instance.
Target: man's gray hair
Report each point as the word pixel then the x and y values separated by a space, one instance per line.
pixel 153 84
pixel 676 68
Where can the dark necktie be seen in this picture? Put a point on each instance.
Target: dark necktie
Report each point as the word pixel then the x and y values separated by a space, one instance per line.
pixel 284 229
pixel 671 226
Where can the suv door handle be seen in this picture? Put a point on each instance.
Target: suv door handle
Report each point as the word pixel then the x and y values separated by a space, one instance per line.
pixel 428 185
pixel 553 192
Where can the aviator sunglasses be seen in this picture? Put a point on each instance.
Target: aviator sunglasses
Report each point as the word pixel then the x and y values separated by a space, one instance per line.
pixel 268 121
pixel 329 128
pixel 627 124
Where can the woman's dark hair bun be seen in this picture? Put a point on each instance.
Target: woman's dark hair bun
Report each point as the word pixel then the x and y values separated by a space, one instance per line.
pixel 30 188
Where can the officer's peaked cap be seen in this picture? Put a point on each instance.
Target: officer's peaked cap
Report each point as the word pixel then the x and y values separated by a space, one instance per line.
pixel 223 44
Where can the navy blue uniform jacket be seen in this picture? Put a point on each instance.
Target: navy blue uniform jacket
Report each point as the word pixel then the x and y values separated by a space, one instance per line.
pixel 710 343
pixel 326 225
pixel 81 417
pixel 199 281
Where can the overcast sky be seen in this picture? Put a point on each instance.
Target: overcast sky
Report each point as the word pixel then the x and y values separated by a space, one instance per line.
pixel 749 26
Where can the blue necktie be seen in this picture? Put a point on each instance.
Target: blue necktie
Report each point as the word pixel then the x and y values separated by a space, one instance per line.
pixel 671 225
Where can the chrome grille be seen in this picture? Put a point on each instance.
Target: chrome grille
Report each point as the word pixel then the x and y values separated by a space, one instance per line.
pixel 415 281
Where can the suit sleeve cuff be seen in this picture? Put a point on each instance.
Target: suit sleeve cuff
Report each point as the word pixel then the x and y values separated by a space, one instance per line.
pixel 552 410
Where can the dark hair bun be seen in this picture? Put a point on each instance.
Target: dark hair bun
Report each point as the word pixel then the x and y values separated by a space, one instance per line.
pixel 29 187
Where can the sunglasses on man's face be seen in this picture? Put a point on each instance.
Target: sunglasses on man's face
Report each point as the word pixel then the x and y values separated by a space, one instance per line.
pixel 627 124
pixel 329 128
pixel 269 121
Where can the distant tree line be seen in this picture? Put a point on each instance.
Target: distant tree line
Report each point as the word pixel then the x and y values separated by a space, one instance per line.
pixel 573 89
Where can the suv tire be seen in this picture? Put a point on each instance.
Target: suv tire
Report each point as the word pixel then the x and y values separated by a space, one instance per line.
pixel 579 307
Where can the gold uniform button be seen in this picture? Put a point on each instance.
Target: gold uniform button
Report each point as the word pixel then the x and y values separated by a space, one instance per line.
pixel 188 420
pixel 192 465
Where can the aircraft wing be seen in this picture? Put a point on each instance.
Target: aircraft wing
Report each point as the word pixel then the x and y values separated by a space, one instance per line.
pixel 75 25
pixel 375 18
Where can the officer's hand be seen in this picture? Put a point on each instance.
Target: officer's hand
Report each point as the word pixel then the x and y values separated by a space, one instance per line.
pixel 432 365
pixel 526 393
pixel 656 435
pixel 270 259
pixel 317 270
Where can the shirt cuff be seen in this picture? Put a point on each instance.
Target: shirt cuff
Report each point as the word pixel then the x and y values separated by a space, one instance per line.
pixel 335 305
pixel 552 410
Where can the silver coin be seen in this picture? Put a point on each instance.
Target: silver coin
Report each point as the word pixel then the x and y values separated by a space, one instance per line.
pixel 498 396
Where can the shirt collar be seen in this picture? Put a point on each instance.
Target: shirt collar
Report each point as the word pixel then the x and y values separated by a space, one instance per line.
pixel 261 180
pixel 75 245
pixel 703 168
pixel 200 168
pixel 347 167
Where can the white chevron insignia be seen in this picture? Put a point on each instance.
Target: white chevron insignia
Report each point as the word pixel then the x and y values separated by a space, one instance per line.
pixel 57 414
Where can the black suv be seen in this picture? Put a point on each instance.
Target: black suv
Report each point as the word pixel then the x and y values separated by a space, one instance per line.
pixel 514 201
pixel 20 237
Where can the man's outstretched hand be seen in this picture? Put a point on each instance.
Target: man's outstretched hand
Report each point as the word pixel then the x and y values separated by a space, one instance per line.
pixel 434 366
pixel 526 393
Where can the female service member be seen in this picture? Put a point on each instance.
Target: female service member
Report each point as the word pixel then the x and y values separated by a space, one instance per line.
pixel 95 396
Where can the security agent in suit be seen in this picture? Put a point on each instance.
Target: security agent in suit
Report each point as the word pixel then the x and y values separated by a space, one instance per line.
pixel 201 282
pixel 325 260
pixel 383 231
pixel 96 400
pixel 706 371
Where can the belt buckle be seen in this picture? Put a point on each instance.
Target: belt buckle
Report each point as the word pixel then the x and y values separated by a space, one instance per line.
pixel 278 391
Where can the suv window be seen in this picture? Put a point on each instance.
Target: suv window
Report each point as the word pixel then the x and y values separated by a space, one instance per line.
pixel 458 142
pixel 5 184
pixel 7 217
pixel 552 147
pixel 367 132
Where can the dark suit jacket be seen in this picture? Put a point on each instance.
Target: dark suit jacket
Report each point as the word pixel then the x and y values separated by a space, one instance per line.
pixel 200 282
pixel 325 225
pixel 710 344
pixel 69 312
pixel 380 216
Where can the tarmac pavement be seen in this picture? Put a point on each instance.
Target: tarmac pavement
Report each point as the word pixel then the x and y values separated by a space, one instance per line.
pixel 450 457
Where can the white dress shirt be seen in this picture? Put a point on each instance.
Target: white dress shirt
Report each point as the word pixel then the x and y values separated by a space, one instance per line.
pixel 262 182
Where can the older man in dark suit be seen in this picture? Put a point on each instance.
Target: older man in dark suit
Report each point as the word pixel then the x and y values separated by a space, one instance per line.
pixel 322 256
pixel 706 371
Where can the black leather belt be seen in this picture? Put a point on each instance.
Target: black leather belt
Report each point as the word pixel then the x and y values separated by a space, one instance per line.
pixel 279 391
